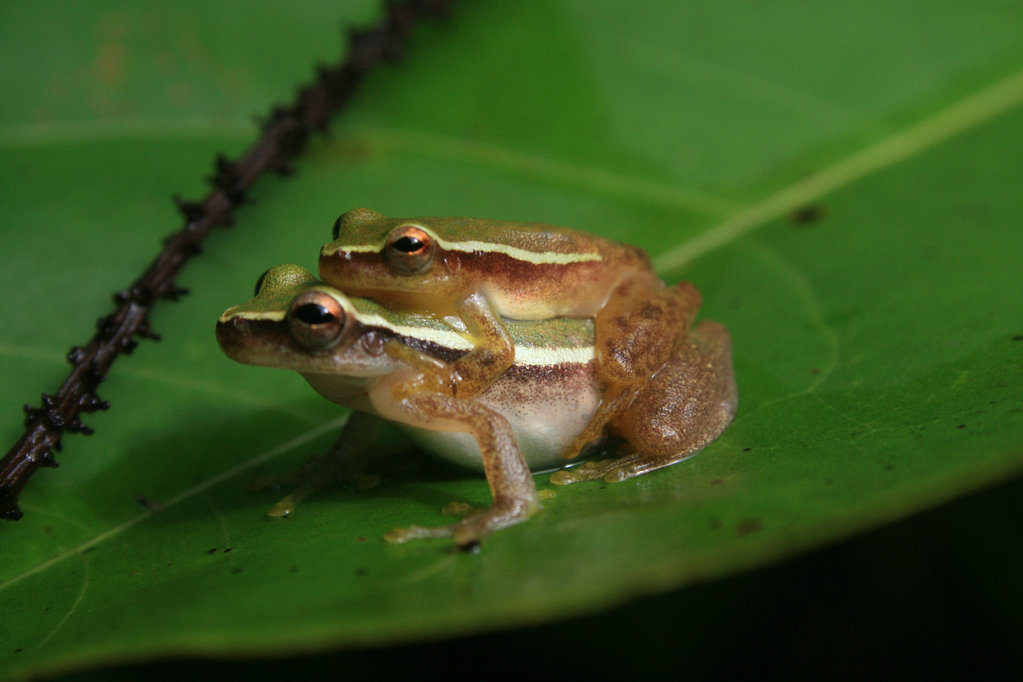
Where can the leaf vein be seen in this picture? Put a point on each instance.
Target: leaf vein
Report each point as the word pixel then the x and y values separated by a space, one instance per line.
pixel 198 488
pixel 957 118
pixel 548 170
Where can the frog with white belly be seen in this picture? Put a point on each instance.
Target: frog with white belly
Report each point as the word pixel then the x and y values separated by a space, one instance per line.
pixel 478 273
pixel 524 419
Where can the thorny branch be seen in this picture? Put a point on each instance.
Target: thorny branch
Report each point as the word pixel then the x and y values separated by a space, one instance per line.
pixel 285 133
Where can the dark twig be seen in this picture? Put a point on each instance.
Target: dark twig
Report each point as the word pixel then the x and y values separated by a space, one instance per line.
pixel 285 132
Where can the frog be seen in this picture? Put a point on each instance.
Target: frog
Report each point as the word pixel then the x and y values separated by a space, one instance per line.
pixel 519 424
pixel 474 273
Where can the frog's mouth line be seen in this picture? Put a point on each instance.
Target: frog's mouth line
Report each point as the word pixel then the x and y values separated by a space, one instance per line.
pixel 266 343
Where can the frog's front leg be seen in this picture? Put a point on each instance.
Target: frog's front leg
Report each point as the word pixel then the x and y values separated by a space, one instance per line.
pixel 511 484
pixel 682 409
pixel 492 353
pixel 347 460
pixel 637 332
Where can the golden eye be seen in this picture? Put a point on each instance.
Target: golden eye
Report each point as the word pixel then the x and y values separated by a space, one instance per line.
pixel 409 250
pixel 316 320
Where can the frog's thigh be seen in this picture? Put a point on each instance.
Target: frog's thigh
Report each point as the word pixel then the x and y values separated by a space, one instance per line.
pixel 690 402
pixel 686 406
pixel 637 330
pixel 636 333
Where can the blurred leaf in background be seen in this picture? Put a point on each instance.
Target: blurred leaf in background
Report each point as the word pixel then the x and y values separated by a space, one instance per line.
pixel 841 181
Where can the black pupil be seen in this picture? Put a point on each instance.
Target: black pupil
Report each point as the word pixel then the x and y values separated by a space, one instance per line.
pixel 337 229
pixel 314 313
pixel 407 245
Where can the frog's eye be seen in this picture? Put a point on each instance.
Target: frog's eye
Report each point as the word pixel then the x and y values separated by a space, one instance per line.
pixel 259 283
pixel 316 320
pixel 409 250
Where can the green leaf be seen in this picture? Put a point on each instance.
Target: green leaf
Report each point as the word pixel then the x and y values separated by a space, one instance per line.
pixel 841 182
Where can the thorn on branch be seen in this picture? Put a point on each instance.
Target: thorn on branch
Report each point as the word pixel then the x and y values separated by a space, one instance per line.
pixel 227 179
pixel 190 249
pixel 48 412
pixel 91 403
pixel 173 292
pixel 76 355
pixel 106 325
pixel 137 293
pixel 77 426
pixel 191 211
pixel 93 376
pixel 146 332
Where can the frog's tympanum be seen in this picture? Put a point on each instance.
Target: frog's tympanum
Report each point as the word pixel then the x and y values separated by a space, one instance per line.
pixel 477 273
pixel 366 356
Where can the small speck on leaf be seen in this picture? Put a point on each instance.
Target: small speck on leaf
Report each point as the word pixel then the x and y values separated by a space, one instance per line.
pixel 148 503
pixel 806 215
pixel 748 526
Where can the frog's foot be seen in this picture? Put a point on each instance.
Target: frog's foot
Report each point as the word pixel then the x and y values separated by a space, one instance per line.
pixel 616 470
pixel 315 474
pixel 346 461
pixel 456 509
pixel 470 531
pixel 305 489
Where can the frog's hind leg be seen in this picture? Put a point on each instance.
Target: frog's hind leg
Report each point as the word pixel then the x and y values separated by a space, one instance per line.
pixel 682 409
pixel 637 332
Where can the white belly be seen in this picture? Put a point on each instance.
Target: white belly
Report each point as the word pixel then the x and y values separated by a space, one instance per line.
pixel 544 415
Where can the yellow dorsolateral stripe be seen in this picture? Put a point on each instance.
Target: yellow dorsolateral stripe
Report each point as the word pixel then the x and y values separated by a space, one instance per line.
pixel 272 315
pixel 446 338
pixel 535 257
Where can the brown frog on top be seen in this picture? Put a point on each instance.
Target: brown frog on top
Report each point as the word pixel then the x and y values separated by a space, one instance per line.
pixel 476 273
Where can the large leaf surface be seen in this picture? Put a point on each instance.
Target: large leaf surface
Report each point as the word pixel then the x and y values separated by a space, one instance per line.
pixel 841 182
